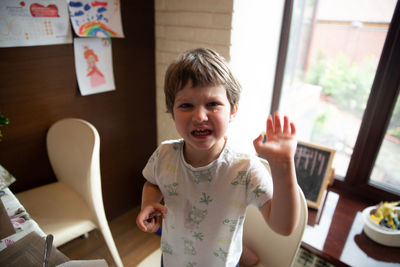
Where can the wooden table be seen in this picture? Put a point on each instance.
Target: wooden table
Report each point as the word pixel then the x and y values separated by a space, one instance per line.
pixel 335 233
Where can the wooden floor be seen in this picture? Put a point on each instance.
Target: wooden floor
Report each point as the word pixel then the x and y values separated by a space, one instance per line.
pixel 133 245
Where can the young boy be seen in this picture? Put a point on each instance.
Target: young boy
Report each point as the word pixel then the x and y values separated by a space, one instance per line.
pixel 205 185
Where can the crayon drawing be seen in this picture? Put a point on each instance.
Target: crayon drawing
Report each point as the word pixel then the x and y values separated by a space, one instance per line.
pixel 95 76
pixel 93 64
pixel 34 22
pixel 96 18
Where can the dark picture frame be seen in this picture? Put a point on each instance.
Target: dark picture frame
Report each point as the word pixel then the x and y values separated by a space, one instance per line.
pixel 313 170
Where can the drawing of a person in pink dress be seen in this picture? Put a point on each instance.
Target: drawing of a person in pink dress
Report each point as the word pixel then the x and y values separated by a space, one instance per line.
pixel 96 77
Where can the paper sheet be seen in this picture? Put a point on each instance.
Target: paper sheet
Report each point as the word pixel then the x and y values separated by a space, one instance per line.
pixel 93 64
pixel 34 22
pixel 91 18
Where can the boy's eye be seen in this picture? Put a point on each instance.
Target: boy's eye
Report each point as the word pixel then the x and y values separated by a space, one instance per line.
pixel 213 104
pixel 185 105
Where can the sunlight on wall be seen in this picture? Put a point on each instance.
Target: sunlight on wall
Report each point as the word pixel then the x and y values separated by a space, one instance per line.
pixel 255 36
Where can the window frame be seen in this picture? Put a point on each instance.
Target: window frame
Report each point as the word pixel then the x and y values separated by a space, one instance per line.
pixel 377 115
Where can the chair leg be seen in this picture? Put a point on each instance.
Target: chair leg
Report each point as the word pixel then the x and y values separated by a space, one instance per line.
pixel 105 230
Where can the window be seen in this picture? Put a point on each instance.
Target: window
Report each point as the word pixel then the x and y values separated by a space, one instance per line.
pixel 340 82
pixel 387 168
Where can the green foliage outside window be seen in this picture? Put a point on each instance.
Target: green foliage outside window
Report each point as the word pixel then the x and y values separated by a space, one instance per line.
pixel 394 125
pixel 348 85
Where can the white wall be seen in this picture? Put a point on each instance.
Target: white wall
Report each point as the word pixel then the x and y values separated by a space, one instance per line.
pixel 249 41
pixel 256 30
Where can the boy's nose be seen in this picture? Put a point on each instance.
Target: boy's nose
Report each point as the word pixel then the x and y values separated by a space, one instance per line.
pixel 199 114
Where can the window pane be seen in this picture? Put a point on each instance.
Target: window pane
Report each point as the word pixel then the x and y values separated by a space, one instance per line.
pixel 386 172
pixel 334 51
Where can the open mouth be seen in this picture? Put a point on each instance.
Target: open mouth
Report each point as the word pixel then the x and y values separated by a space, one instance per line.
pixel 202 132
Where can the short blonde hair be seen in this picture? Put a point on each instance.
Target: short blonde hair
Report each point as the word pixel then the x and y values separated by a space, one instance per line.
pixel 201 66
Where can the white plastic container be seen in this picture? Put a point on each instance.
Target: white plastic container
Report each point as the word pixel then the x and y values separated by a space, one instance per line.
pixel 380 234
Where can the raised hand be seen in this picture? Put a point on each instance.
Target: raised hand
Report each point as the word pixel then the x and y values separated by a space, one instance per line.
pixel 279 149
pixel 280 144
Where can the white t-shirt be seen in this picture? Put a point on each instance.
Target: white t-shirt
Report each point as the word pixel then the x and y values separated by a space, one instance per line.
pixel 206 205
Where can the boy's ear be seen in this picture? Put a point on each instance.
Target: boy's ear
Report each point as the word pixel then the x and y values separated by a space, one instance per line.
pixel 233 112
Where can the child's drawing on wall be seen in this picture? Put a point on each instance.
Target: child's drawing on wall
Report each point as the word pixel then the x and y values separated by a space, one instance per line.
pixel 96 18
pixel 93 63
pixel 94 74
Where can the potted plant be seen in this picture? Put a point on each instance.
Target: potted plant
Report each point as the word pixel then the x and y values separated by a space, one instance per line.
pixel 3 121
pixel 5 177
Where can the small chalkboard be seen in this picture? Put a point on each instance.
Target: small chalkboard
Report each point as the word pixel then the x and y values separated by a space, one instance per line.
pixel 313 169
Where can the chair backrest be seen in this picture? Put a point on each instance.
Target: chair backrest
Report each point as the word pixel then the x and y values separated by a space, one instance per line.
pixel 273 249
pixel 73 146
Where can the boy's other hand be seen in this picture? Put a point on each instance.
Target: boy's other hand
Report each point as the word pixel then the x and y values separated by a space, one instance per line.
pixel 280 144
pixel 148 219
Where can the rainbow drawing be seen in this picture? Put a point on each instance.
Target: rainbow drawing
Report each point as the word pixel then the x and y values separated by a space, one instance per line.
pixel 96 29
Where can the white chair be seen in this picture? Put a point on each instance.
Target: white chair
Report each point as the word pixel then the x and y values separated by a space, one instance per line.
pixel 73 205
pixel 271 248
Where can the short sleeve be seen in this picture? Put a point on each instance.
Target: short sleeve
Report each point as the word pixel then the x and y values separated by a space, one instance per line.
pixel 150 170
pixel 260 189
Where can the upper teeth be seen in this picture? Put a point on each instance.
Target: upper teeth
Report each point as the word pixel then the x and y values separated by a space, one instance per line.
pixel 201 132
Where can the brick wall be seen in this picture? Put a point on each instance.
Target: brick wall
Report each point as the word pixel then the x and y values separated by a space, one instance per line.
pixel 184 25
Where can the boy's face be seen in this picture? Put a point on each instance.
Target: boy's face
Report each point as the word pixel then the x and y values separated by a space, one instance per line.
pixel 202 115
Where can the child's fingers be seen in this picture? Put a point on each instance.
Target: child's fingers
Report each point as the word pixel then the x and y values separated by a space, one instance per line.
pixel 286 125
pixel 156 208
pixel 155 216
pixel 149 225
pixel 146 220
pixel 293 128
pixel 141 223
pixel 270 128
pixel 163 209
pixel 259 140
pixel 277 123
pixel 141 220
